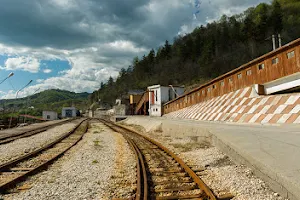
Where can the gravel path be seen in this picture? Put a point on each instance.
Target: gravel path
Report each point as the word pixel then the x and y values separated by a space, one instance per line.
pixel 86 171
pixel 123 180
pixel 26 145
pixel 221 174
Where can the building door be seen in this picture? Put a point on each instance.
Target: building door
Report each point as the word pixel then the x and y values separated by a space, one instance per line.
pixel 69 113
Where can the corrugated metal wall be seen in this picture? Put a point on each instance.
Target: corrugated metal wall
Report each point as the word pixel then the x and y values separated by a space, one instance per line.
pixel 277 64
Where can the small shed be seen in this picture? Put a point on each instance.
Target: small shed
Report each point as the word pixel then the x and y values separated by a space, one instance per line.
pixel 49 115
pixel 68 112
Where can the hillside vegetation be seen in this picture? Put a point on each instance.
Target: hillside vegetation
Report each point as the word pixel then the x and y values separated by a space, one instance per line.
pixel 47 100
pixel 208 51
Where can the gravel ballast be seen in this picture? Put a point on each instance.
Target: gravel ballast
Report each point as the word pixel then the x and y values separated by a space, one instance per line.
pixel 221 174
pixel 92 169
pixel 26 145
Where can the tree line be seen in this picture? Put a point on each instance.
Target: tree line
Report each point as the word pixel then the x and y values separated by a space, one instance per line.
pixel 208 51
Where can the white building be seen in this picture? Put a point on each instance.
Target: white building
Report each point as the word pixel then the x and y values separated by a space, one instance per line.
pixel 68 112
pixel 49 115
pixel 158 95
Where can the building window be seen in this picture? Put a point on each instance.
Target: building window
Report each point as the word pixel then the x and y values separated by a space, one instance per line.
pixel 239 76
pixel 222 83
pixel 230 80
pixel 261 66
pixel 208 89
pixel 290 54
pixel 203 91
pixel 275 61
pixel 214 87
pixel 48 116
pixel 249 72
pixel 156 95
pixel 199 94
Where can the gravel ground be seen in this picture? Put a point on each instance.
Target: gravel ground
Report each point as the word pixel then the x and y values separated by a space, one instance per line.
pixel 221 174
pixel 89 170
pixel 26 145
pixel 123 180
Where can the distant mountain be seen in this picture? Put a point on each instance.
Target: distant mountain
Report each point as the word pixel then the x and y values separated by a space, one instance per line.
pixel 47 100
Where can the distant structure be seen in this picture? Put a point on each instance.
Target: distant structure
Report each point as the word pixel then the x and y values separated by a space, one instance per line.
pixel 49 115
pixel 68 112
pixel 158 95
pixel 134 98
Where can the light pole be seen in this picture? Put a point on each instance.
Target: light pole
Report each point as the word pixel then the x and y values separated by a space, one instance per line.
pixel 17 98
pixel 27 103
pixel 174 91
pixel 9 75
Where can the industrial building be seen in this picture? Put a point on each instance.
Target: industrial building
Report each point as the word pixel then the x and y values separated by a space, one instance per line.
pixel 50 115
pixel 68 112
pixel 273 72
pixel 158 95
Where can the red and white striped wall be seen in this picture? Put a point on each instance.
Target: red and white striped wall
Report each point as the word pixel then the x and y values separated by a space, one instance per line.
pixel 245 106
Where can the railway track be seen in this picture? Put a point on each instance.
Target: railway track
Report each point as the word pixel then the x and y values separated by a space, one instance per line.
pixel 161 174
pixel 11 137
pixel 15 171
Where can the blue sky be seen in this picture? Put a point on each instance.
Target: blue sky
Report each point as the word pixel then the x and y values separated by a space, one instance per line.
pixel 75 45
pixel 47 69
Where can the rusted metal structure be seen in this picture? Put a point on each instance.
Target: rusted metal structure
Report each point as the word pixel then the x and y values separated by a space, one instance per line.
pixel 142 105
pixel 274 65
pixel 11 135
pixel 12 173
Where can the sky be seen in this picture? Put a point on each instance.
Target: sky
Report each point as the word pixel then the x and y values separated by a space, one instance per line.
pixel 75 45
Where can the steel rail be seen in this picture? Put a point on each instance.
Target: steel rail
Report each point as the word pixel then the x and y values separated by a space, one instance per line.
pixel 8 166
pixel 206 192
pixel 11 137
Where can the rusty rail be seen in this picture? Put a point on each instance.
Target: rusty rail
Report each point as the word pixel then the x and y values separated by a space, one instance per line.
pixel 11 167
pixel 140 143
pixel 11 137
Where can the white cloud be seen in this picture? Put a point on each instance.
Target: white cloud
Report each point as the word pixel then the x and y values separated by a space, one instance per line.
pixel 22 63
pixel 122 45
pixel 96 38
pixel 47 71
pixel 39 80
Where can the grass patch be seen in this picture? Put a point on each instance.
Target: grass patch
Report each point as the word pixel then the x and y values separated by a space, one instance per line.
pixel 95 161
pixel 99 130
pixel 96 143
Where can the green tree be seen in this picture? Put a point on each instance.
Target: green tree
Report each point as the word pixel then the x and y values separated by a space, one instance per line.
pixel 277 17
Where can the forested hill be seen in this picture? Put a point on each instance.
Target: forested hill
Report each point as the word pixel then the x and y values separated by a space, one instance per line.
pixel 208 51
pixel 47 100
